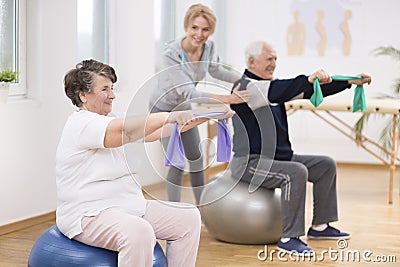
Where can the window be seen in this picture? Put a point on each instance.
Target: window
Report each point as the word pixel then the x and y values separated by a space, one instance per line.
pixel 164 26
pixel 12 42
pixel 93 30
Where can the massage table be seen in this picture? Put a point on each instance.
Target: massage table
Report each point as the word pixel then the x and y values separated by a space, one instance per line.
pixel 385 106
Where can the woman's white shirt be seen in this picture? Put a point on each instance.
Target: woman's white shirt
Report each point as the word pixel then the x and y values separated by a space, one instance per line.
pixel 90 177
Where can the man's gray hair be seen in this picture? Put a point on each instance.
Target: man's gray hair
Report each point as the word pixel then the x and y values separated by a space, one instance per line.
pixel 254 49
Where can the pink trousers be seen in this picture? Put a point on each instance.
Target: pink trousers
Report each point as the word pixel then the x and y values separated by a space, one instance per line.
pixel 134 237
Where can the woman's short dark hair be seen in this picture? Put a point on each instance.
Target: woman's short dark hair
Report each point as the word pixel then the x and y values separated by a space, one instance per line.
pixel 81 78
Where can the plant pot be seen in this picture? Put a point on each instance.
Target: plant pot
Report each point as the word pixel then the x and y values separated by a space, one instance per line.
pixel 4 89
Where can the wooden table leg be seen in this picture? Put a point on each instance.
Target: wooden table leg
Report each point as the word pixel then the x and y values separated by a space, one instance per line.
pixel 393 155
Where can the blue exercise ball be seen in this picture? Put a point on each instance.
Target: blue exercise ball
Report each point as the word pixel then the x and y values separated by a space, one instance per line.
pixel 233 214
pixel 56 250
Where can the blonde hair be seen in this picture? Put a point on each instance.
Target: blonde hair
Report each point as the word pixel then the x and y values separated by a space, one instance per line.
pixel 198 10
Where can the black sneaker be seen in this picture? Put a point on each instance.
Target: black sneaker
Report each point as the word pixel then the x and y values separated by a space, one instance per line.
pixel 295 245
pixel 329 233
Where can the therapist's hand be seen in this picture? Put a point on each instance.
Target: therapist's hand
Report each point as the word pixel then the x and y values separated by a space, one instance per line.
pixel 238 97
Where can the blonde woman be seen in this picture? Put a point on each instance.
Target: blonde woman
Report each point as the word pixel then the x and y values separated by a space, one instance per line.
pixel 186 61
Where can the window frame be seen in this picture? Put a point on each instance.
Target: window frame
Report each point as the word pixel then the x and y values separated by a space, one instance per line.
pixel 87 50
pixel 18 89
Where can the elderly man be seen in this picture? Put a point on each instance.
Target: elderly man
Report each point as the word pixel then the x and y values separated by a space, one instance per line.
pixel 263 155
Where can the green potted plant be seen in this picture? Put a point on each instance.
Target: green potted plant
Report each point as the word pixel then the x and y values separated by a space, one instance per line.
pixel 6 78
pixel 386 133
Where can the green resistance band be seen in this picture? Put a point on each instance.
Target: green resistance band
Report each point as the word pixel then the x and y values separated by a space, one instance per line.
pixel 359 96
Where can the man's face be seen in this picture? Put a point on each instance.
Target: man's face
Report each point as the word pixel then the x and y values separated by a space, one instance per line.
pixel 264 65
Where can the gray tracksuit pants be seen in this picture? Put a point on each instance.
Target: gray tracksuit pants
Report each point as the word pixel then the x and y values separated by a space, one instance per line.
pixel 291 177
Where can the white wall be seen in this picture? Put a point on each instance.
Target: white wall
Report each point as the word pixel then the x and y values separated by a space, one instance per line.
pixel 132 54
pixel 31 129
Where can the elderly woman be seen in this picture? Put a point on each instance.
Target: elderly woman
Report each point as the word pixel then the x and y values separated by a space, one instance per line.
pixel 186 61
pixel 99 201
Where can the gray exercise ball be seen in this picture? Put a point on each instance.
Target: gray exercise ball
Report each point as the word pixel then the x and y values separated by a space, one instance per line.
pixel 232 214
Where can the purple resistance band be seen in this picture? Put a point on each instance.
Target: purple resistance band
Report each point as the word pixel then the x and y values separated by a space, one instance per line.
pixel 175 154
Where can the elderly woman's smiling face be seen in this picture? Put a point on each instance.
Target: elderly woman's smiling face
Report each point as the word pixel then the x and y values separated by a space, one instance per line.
pixel 100 99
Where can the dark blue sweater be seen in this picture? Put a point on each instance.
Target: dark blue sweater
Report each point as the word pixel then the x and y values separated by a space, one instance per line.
pixel 264 131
